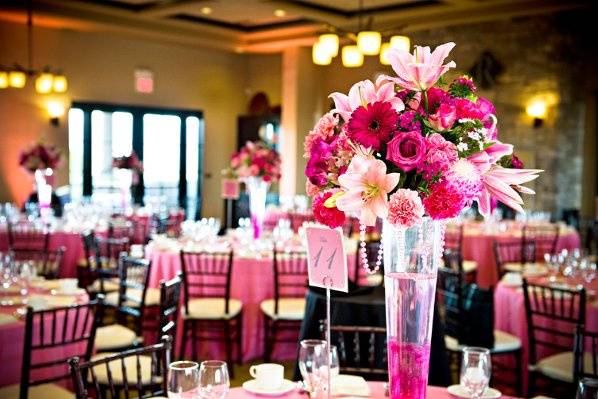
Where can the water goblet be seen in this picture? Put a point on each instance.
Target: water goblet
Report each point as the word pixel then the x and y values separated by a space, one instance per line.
pixel 587 388
pixel 312 361
pixel 183 380
pixel 475 371
pixel 214 382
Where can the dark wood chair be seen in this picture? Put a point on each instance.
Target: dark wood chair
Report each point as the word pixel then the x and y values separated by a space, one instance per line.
pixel 453 237
pixel 585 354
pixel 552 316
pixel 450 293
pixel 453 259
pixel 371 250
pixel 543 236
pixel 98 272
pixel 511 256
pixel 23 235
pixel 210 314
pixel 47 263
pixel 170 299
pixel 57 334
pixel 130 303
pixel 361 350
pixel 284 312
pixel 135 373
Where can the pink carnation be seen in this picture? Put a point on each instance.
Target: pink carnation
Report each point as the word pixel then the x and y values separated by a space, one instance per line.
pixel 324 130
pixel 405 208
pixel 445 201
pixel 440 155
pixel 464 177
pixel 331 217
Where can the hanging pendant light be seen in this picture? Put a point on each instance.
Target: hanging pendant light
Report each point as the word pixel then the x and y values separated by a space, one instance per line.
pixel 17 79
pixel 3 79
pixel 60 84
pixel 319 54
pixel 44 83
pixel 369 42
pixel 400 42
pixel 329 43
pixel 384 49
pixel 352 57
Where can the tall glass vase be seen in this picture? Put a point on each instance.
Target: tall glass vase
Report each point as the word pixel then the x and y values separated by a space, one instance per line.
pixel 411 258
pixel 257 189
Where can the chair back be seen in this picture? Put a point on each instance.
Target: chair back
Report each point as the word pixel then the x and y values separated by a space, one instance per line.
pixel 170 299
pixel 586 343
pixel 24 235
pixel 120 227
pixel 47 263
pixel 372 249
pixel 552 315
pixel 361 350
pixel 206 275
pixel 453 237
pixel 55 335
pixel 449 295
pixel 298 218
pixel 544 237
pixel 290 275
pixel 132 290
pixel 513 252
pixel 86 382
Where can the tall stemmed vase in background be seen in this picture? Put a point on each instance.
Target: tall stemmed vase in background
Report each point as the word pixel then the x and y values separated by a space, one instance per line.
pixel 257 189
pixel 411 258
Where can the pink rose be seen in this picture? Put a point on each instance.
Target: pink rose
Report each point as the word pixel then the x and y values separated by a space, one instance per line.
pixel 405 208
pixel 444 117
pixel 406 150
pixel 440 155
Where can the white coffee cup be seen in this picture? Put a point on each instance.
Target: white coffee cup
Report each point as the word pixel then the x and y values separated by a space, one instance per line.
pixel 68 285
pixel 268 375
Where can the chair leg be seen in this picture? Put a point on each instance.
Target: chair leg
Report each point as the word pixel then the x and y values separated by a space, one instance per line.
pixel 183 341
pixel 228 343
pixel 266 340
pixel 240 339
pixel 194 340
pixel 518 370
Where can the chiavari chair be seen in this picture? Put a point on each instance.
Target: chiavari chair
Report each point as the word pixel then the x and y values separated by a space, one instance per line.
pixel 47 263
pixel 544 237
pixel 512 256
pixel 25 235
pixel 585 354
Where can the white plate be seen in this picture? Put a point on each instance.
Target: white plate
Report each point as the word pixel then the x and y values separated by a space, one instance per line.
pixel 460 392
pixel 251 386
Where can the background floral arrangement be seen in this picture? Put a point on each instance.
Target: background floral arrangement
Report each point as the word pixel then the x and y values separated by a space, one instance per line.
pixel 39 156
pixel 256 159
pixel 411 145
pixel 130 162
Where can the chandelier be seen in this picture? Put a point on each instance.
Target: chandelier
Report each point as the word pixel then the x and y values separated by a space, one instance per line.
pixel 366 42
pixel 46 80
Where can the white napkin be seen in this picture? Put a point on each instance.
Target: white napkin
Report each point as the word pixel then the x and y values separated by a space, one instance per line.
pixel 512 279
pixel 349 385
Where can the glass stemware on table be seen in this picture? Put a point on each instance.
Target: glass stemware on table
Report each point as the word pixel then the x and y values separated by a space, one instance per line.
pixel 587 388
pixel 313 366
pixel 476 370
pixel 191 380
pixel 573 265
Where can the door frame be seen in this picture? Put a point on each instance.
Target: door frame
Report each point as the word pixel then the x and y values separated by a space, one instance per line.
pixel 138 111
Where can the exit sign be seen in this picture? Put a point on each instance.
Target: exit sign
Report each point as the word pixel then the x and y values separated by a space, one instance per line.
pixel 144 81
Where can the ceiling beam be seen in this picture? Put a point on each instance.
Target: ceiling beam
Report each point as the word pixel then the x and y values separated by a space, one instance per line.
pixel 172 8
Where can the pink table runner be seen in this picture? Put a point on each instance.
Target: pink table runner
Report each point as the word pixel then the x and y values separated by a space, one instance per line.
pixel 478 246
pixel 377 391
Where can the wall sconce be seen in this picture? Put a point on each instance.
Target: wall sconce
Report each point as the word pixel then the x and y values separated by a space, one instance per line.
pixel 55 112
pixel 537 110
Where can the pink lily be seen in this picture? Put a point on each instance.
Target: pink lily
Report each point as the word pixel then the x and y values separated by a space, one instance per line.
pixel 366 186
pixel 363 93
pixel 420 70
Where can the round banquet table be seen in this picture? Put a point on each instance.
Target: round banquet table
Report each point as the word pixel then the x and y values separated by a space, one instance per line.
pixel 478 244
pixel 252 282
pixel 12 332
pixel 377 391
pixel 509 315
pixel 70 240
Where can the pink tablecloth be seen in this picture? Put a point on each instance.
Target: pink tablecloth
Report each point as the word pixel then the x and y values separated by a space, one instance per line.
pixel 377 391
pixel 478 246
pixel 509 316
pixel 252 282
pixel 70 240
pixel 12 336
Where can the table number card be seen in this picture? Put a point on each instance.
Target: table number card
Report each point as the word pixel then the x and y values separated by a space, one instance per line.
pixel 327 261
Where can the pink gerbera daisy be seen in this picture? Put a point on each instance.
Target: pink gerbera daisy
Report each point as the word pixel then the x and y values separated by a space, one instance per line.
pixel 373 124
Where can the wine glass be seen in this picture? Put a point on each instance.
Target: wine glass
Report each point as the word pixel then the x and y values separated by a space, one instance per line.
pixel 312 361
pixel 475 371
pixel 214 382
pixel 588 270
pixel 183 380
pixel 587 389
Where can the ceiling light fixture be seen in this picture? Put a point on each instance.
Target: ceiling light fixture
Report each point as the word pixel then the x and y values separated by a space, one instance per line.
pixel 329 43
pixel 352 57
pixel 369 42
pixel 400 42
pixel 320 55
pixel 206 10
pixel 280 13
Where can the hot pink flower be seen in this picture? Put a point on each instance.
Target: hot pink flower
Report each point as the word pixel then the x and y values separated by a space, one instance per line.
pixel 324 130
pixel 366 187
pixel 311 189
pixel 420 70
pixel 445 201
pixel 440 155
pixel 465 177
pixel 372 125
pixel 330 217
pixel 407 150
pixel 408 122
pixel 443 118
pixel 405 208
pixel 363 93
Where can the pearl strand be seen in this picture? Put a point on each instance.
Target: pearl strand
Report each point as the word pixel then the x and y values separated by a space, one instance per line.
pixel 363 252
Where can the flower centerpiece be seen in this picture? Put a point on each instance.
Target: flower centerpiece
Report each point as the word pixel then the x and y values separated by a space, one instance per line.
pixel 39 156
pixel 257 165
pixel 414 151
pixel 130 170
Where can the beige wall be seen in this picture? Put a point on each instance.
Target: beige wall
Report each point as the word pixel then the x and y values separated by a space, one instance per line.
pixel 100 68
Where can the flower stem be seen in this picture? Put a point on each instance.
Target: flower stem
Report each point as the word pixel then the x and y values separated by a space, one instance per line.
pixel 425 92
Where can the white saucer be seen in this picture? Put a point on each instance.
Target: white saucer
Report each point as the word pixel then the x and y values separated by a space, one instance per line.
pixel 251 386
pixel 460 392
